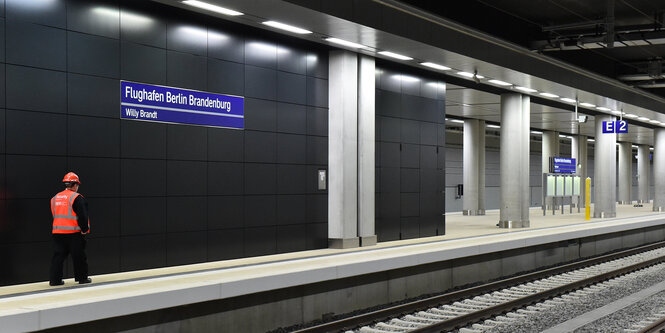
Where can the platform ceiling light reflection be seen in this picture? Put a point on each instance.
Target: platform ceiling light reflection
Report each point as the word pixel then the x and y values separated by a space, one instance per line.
pixel 569 100
pixel 526 89
pixel 536 132
pixel 653 121
pixel 34 4
pixel 643 118
pixel 437 85
pixel 287 27
pixel 133 20
pixel 194 31
pixel 395 55
pixel 500 83
pixel 616 112
pixel 493 126
pixel 435 66
pixel 212 8
pixel 630 115
pixel 406 78
pixel 602 108
pixel 549 95
pixel 345 43
pixel 457 121
pixel 214 36
pixel 591 140
pixel 470 75
pixel 589 105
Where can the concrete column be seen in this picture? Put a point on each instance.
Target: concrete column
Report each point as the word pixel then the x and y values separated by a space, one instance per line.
pixel 578 148
pixel 474 167
pixel 343 149
pixel 643 171
pixel 366 153
pixel 514 161
pixel 625 177
pixel 550 148
pixel 604 186
pixel 659 169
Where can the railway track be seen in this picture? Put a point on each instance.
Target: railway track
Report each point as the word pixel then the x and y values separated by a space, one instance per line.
pixel 500 302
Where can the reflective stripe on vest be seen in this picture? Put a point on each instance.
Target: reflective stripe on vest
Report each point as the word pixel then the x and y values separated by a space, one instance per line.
pixel 65 220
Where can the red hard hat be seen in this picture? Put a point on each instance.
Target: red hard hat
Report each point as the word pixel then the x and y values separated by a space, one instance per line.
pixel 71 177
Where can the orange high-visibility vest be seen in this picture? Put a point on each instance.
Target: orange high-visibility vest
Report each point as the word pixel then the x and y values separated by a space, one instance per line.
pixel 65 220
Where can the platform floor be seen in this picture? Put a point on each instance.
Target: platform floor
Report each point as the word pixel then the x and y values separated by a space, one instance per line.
pixel 21 306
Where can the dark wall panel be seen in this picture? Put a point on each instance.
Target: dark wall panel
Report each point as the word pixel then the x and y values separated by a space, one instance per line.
pixel 158 194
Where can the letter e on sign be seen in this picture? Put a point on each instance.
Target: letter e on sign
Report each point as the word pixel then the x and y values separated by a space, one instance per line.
pixel 608 127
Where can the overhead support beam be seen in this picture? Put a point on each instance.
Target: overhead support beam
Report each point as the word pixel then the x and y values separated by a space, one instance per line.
pixel 609 25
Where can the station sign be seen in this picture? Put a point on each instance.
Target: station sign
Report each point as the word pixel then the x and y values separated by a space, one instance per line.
pixel 619 126
pixel 140 101
pixel 562 165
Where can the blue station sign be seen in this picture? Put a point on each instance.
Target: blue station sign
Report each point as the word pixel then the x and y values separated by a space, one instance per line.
pixel 147 102
pixel 562 165
pixel 619 126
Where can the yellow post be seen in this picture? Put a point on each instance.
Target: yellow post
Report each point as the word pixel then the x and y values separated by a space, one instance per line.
pixel 587 199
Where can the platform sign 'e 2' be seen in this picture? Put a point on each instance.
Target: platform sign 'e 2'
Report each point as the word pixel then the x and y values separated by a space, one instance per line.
pixel 619 126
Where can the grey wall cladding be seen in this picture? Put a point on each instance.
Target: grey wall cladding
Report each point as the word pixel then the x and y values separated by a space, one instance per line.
pixel 409 177
pixel 159 194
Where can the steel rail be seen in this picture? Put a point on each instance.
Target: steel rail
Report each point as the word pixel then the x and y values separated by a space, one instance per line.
pixel 423 304
pixel 655 327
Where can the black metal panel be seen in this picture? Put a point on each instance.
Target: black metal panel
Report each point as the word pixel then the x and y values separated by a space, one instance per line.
pixel 225 212
pixel 26 83
pixel 225 178
pixel 186 71
pixel 292 118
pixel 93 96
pixel 186 248
pixel 186 214
pixel 51 13
pixel 98 18
pixel 36 45
pixel 226 77
pixel 144 215
pixel 91 136
pixel 142 251
pixel 142 63
pixel 52 126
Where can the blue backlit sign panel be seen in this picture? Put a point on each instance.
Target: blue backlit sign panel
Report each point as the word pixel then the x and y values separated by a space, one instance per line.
pixel 619 126
pixel 562 165
pixel 147 102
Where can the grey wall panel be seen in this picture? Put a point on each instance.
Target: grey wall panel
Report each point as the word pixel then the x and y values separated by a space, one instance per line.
pixel 106 252
pixel 409 204
pixel 225 45
pixel 225 212
pixel 390 129
pixel 2 85
pixel 291 148
pixel 88 54
pixel 428 133
pixel 186 71
pixel 141 139
pixel 291 179
pixel 142 63
pixel 261 53
pixel 45 174
pixel 390 154
pixel 410 156
pixel 317 92
pixel 225 178
pixel 390 206
pixel 410 131
pixel 93 96
pixel 292 60
pixel 317 64
pixel 260 147
pixel 226 145
pixel 291 238
pixel 187 37
pixel 143 251
pixel 409 227
pixel 36 45
pixel 138 26
pixel 186 248
pixel 2 8
pixel 390 179
pixel 431 111
pixel 317 121
pixel 260 82
pixel 100 177
pixel 105 215
pixel 388 103
pixel 143 177
pixel 226 77
pixel 317 150
pixel 409 86
pixel 36 133
pixel 144 215
pixel 90 136
pixel 292 118
pixel 390 81
pixel 26 83
pixel 188 213
pixel 98 18
pixel 317 209
pixel 15 267
pixel 429 180
pixel 291 209
pixel 51 13
pixel 3 128
pixel 25 217
pixel 260 241
pixel 2 37
pixel 260 178
pixel 291 88
pixel 225 244
pixel 428 157
pixel 186 142
pixel 186 178
pixel 409 180
pixel 260 114
pixel 260 210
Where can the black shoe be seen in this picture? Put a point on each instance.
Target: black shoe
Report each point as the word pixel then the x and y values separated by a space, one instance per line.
pixel 84 281
pixel 56 283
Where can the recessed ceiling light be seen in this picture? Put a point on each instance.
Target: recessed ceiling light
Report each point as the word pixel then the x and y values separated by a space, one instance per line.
pixel 435 66
pixel 525 89
pixel 654 121
pixel 287 27
pixel 212 8
pixel 643 118
pixel 616 112
pixel 500 83
pixel 634 146
pixel 602 108
pixel 569 100
pixel 591 140
pixel 493 126
pixel 457 121
pixel 589 105
pixel 395 55
pixel 345 43
pixel 630 115
pixel 470 75
pixel 650 148
pixel 536 132
pixel 562 136
pixel 548 95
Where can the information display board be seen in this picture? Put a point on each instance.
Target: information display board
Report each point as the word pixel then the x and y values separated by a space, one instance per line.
pixel 562 165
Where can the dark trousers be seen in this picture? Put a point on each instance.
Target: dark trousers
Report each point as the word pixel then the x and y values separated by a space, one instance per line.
pixel 63 245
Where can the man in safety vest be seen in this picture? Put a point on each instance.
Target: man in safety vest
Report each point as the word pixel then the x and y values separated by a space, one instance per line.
pixel 70 224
